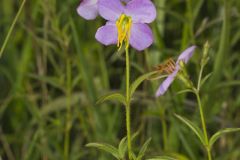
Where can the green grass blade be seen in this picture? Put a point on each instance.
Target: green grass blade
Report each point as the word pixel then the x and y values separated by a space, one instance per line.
pixel 87 77
pixel 12 27
pixel 223 45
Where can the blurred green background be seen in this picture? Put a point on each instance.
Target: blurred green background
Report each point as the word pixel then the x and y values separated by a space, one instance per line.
pixel 53 71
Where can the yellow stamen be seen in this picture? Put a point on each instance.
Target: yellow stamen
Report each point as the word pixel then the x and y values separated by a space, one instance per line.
pixel 168 66
pixel 124 24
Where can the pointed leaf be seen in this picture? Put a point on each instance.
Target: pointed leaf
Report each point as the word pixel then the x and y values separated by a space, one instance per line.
pixel 177 156
pixel 113 96
pixel 184 91
pixel 217 135
pixel 193 127
pixel 206 78
pixel 134 157
pixel 106 147
pixel 143 149
pixel 162 158
pixel 135 135
pixel 122 147
pixel 138 81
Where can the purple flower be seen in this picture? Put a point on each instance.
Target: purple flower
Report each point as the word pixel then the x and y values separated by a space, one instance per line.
pixel 88 9
pixel 184 56
pixel 127 23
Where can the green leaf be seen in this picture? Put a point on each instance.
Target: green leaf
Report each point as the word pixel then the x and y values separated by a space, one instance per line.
pixel 143 149
pixel 162 158
pixel 184 91
pixel 113 96
pixel 206 78
pixel 107 148
pixel 193 127
pixel 217 135
pixel 135 135
pixel 139 80
pixel 122 147
pixel 134 157
pixel 177 156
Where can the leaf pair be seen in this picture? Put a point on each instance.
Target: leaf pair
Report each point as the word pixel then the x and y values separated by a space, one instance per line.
pixel 107 148
pixel 198 132
pixel 120 153
pixel 220 133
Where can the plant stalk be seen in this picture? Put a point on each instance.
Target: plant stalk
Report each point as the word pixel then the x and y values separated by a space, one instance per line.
pixel 203 126
pixel 128 110
pixel 200 78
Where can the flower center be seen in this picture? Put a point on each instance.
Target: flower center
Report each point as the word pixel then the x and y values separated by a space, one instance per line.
pixel 123 24
pixel 123 3
pixel 168 66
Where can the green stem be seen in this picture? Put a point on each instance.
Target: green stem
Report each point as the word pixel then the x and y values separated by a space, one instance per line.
pixel 209 154
pixel 11 28
pixel 128 121
pixel 128 111
pixel 68 113
pixel 200 78
pixel 203 126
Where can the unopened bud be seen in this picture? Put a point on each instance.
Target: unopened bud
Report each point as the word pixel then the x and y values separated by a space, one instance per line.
pixel 185 79
pixel 183 75
pixel 183 68
pixel 205 56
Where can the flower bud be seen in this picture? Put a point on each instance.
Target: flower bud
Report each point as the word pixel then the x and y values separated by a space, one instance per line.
pixel 183 68
pixel 205 56
pixel 185 79
pixel 183 75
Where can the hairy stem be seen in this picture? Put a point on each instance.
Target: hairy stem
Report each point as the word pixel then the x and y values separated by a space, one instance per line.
pixel 128 111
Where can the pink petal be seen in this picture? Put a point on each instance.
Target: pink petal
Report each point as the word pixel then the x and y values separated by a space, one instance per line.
pixel 166 83
pixel 141 11
pixel 110 9
pixel 186 55
pixel 141 36
pixel 107 34
pixel 125 1
pixel 88 9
